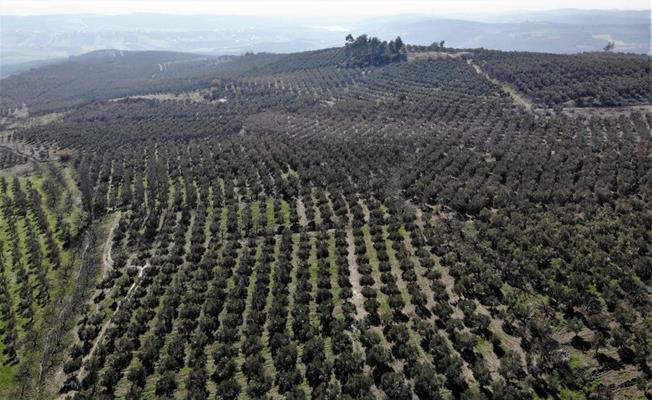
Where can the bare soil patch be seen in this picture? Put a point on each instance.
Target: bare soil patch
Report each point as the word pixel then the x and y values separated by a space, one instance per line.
pixel 301 210
pixel 433 55
pixel 606 111
pixel 354 276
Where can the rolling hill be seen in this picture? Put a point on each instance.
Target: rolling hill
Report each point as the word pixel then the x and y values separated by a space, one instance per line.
pixel 377 220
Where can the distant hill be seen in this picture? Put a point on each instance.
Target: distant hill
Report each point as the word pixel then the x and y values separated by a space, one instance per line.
pixel 580 17
pixel 105 74
pixel 10 69
pixel 537 34
pixel 587 79
pixel 26 39
pixel 108 74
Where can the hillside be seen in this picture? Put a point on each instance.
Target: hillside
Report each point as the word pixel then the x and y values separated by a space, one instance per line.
pixel 104 74
pixel 371 221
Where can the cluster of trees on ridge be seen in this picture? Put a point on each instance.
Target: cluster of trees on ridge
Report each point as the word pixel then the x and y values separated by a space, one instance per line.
pixel 365 51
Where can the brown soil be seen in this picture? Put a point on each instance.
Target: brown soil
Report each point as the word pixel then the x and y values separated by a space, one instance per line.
pixel 301 210
pixel 354 276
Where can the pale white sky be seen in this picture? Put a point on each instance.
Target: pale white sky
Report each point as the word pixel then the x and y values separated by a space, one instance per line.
pixel 315 8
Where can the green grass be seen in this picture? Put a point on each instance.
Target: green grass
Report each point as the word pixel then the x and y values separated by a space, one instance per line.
pixel 171 192
pixel 7 376
pixel 335 288
pixel 575 362
pixel 285 212
pixel 570 394
pixel 255 215
pixel 224 216
pixel 29 343
pixel 470 230
pixel 313 267
pixel 291 173
pixel 271 218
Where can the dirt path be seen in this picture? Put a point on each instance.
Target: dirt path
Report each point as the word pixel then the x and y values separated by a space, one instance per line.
pixel 301 211
pixel 107 264
pixel 419 217
pixel 20 169
pixel 491 361
pixel 17 152
pixel 517 97
pixel 105 326
pixel 354 276
pixel 433 55
pixel 521 100
pixel 141 271
pixel 59 376
pixel 565 336
pixel 107 260
pixel 365 210
pixel 449 282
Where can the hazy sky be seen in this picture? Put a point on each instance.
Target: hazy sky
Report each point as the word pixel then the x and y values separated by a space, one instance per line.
pixel 303 7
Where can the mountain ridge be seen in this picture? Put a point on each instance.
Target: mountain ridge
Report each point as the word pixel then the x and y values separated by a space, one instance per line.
pixel 32 38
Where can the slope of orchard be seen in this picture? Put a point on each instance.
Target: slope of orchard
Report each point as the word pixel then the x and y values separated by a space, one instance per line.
pixel 281 226
pixel 39 223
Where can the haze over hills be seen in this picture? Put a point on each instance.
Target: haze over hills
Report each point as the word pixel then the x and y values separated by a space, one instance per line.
pixel 36 38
